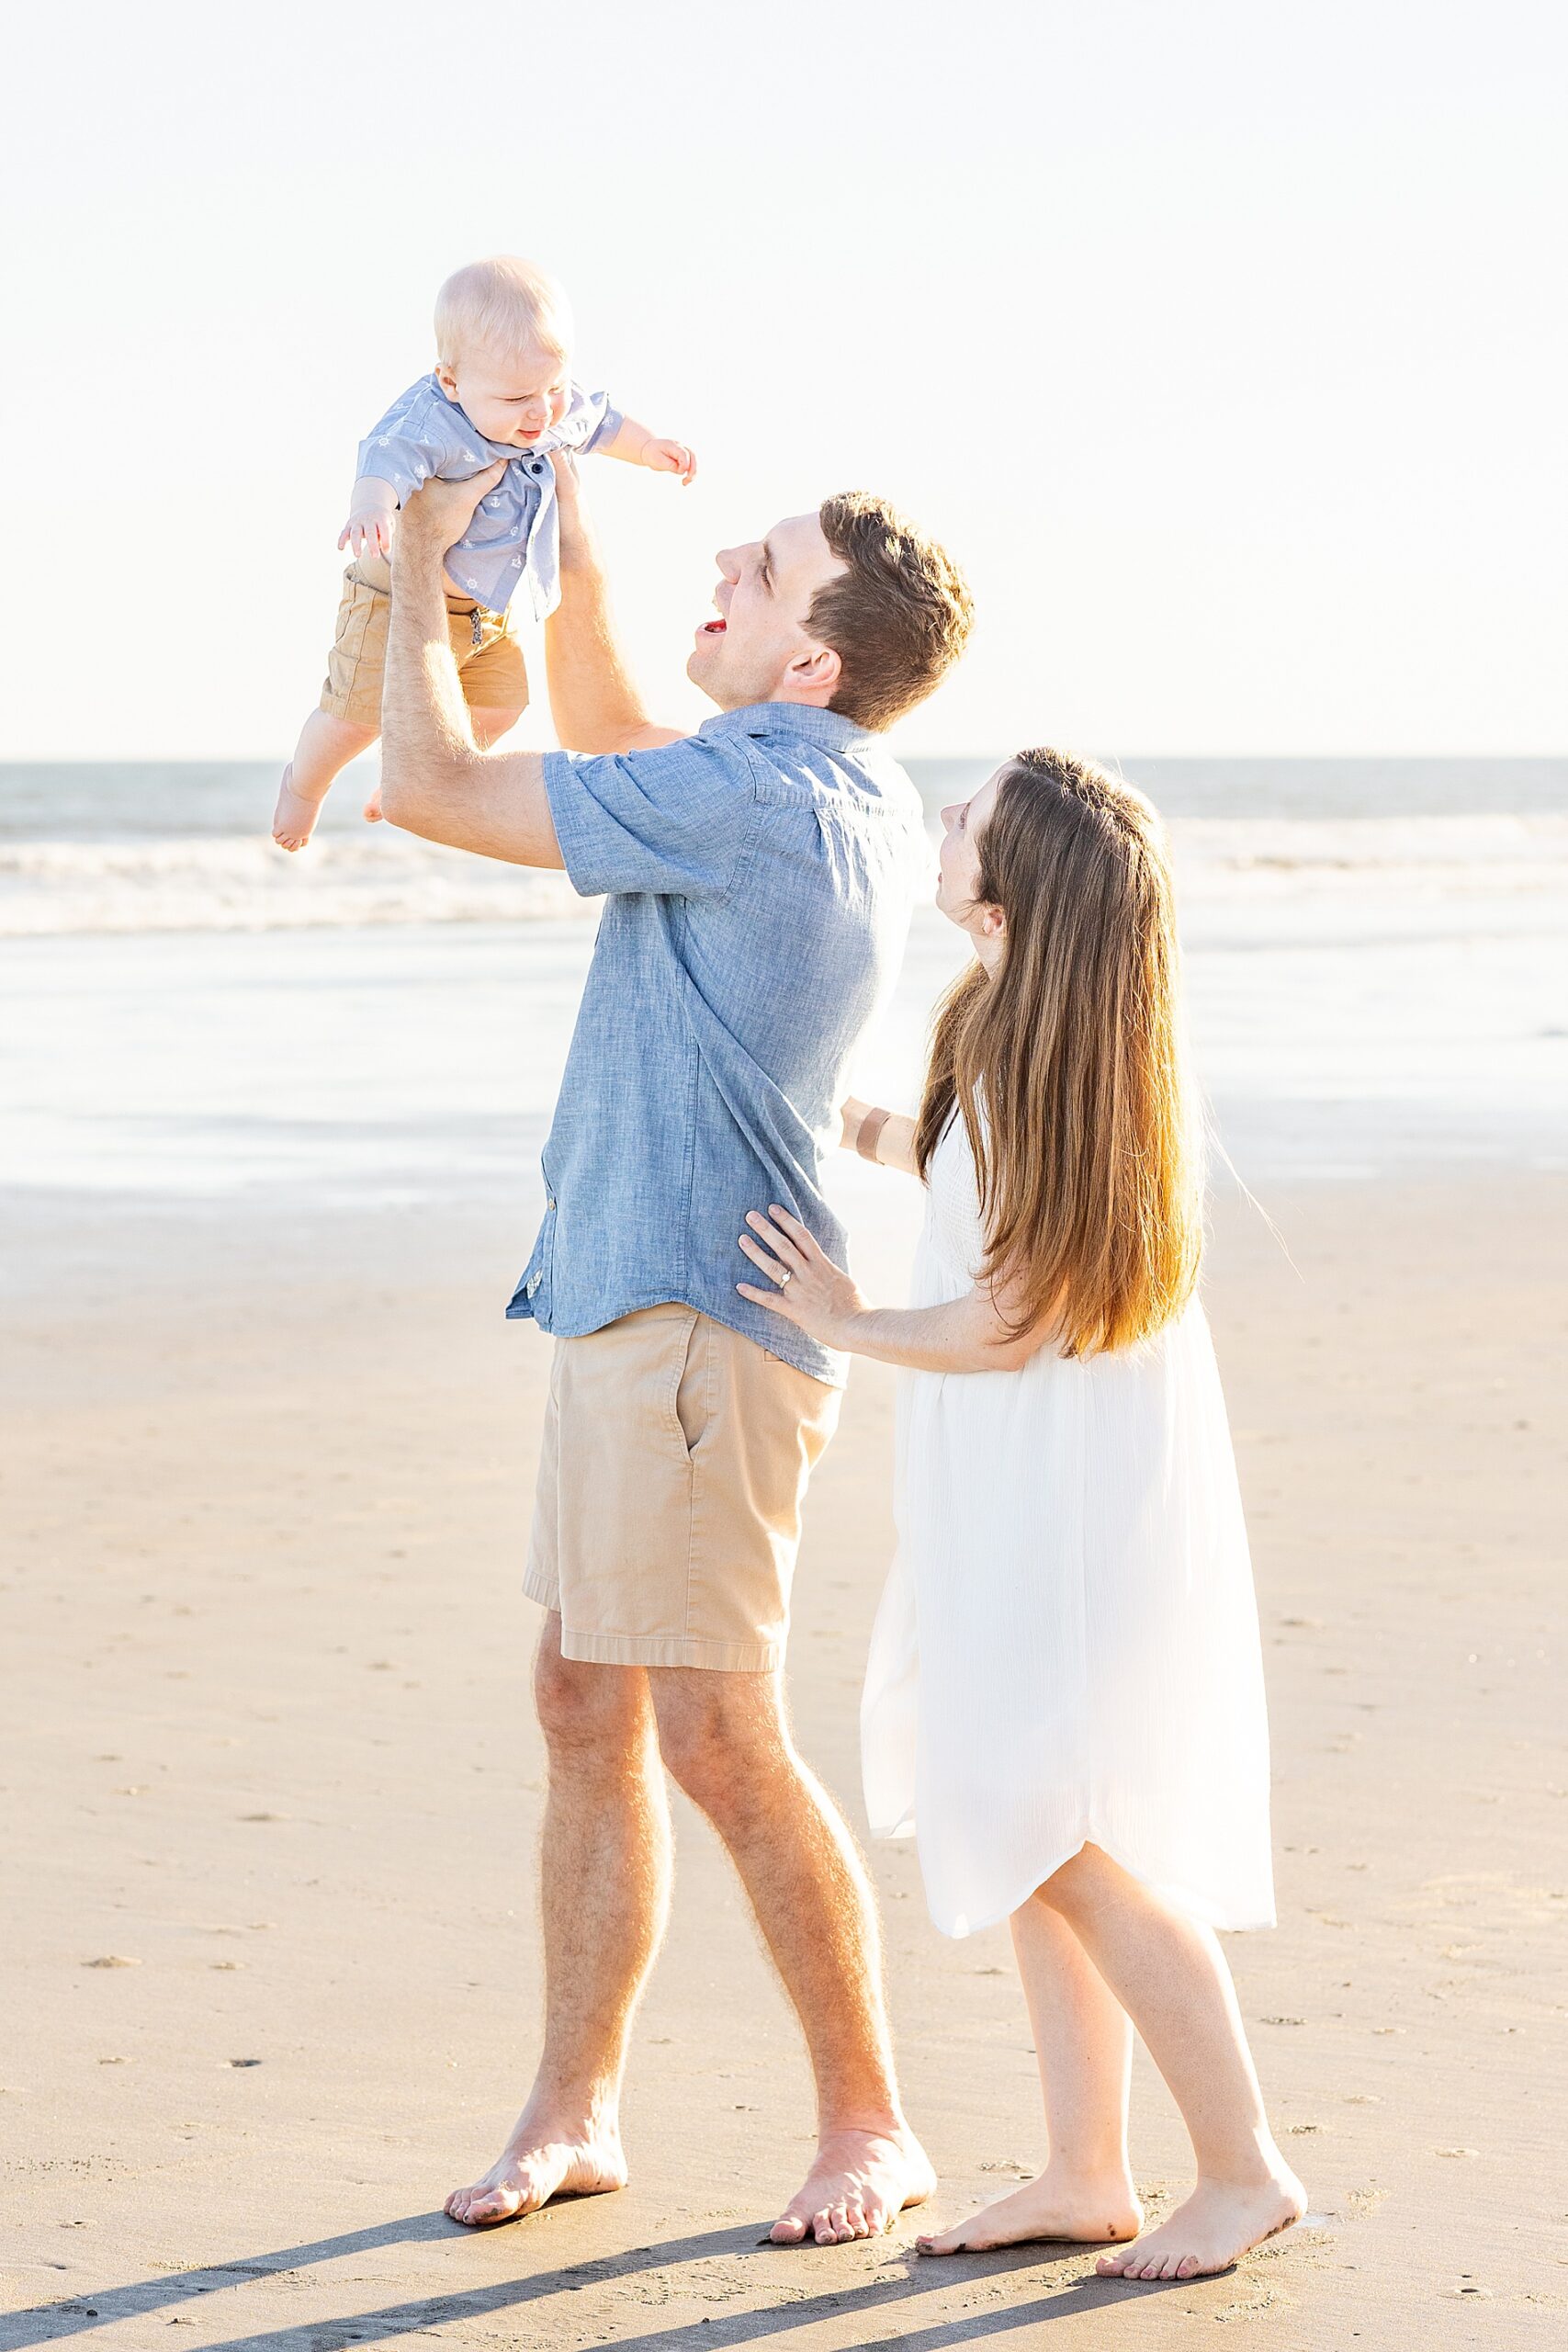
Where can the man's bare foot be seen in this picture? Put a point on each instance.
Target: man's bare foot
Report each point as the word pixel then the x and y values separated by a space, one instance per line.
pixel 1087 2212
pixel 1216 2227
pixel 541 2161
pixel 373 807
pixel 294 818
pixel 858 2186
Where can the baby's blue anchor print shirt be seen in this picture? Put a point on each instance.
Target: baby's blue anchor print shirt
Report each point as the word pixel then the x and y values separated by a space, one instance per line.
pixel 515 537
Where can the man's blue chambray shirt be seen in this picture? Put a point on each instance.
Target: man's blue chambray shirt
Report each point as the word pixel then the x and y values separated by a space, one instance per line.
pixel 760 875
pixel 515 533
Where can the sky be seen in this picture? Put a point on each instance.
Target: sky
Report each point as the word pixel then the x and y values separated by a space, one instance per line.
pixel 1223 342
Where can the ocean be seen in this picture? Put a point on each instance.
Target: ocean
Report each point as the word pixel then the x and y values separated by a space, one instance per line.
pixel 1376 956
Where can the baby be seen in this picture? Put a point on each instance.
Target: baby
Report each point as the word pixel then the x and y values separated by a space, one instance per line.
pixel 502 388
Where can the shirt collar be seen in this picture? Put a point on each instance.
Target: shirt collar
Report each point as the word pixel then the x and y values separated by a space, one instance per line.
pixel 828 728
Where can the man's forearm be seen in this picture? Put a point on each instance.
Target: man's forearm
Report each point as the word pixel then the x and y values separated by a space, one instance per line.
pixel 427 736
pixel 435 781
pixel 593 701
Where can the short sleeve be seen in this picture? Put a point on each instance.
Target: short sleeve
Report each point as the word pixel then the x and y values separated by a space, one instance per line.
pixel 590 423
pixel 415 439
pixel 676 822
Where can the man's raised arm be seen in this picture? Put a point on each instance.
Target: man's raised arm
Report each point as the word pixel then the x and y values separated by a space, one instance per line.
pixel 594 704
pixel 435 781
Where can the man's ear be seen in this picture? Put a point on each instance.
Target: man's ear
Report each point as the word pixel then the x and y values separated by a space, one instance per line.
pixel 816 673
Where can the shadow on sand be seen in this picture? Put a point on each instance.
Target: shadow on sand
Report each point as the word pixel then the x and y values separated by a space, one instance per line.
pixel 52 2323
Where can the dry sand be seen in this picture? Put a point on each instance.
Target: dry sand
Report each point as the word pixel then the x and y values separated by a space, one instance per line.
pixel 273 1784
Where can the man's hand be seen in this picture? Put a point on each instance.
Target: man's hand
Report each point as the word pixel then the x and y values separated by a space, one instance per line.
pixel 670 457
pixel 369 530
pixel 437 515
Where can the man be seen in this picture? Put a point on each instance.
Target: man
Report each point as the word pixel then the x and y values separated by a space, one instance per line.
pixel 758 878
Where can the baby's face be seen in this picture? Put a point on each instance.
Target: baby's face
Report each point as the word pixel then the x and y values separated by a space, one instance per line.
pixel 514 397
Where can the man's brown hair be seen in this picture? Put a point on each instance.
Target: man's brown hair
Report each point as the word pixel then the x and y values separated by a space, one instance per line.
pixel 897 616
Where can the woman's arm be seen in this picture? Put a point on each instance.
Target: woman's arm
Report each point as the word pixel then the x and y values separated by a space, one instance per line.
pixel 892 1145
pixel 970 1334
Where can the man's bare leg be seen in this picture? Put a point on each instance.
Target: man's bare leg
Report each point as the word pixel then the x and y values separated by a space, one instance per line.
pixel 726 1740
pixel 604 1874
pixel 1083 2039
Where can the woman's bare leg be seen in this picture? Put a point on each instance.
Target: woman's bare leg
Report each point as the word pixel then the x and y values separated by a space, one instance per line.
pixel 1170 1976
pixel 1083 2044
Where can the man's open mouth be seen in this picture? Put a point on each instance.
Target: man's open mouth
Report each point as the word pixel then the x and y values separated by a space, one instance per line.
pixel 714 628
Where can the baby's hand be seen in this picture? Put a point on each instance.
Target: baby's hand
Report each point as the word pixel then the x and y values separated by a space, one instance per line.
pixel 670 457
pixel 369 531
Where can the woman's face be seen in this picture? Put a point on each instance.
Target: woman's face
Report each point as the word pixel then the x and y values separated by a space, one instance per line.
pixel 959 868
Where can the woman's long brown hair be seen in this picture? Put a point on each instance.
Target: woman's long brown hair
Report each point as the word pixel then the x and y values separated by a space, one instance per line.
pixel 1067 1066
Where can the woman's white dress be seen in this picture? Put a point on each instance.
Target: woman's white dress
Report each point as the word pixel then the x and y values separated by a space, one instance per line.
pixel 1067 1650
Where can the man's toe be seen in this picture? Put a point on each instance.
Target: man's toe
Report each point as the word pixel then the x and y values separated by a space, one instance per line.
pixel 789 2230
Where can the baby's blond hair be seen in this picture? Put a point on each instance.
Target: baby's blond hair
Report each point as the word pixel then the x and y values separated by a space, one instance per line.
pixel 504 304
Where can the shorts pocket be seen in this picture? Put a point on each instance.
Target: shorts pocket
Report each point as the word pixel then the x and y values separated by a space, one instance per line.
pixel 696 1392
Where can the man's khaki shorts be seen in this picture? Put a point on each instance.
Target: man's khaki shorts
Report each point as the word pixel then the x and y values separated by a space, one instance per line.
pixel 675 1459
pixel 489 658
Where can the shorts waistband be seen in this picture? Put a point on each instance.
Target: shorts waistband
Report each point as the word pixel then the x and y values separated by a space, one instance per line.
pixel 375 573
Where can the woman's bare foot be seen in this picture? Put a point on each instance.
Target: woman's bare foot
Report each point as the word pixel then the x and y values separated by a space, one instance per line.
pixel 1218 2224
pixel 541 2160
pixel 294 818
pixel 858 2186
pixel 1057 2205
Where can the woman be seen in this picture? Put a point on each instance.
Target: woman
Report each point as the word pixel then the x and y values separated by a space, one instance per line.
pixel 1065 1696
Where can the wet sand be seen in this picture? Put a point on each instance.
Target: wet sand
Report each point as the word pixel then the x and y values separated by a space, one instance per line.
pixel 273 1786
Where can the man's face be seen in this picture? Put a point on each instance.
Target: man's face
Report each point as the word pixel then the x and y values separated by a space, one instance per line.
pixel 760 650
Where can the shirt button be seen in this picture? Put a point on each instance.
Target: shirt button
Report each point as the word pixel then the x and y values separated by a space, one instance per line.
pixel 549 1200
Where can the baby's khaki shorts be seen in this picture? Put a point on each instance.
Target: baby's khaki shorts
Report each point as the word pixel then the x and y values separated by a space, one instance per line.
pixel 675 1458
pixel 489 658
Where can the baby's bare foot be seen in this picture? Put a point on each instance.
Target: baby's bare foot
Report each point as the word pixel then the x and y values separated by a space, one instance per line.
pixel 544 2158
pixel 1085 2209
pixel 294 818
pixel 1219 2223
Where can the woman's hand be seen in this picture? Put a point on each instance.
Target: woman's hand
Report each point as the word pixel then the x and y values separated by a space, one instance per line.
pixel 803 1285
